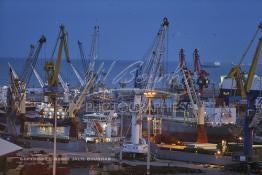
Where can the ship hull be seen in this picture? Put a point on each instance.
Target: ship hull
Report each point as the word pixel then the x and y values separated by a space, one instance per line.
pixel 186 132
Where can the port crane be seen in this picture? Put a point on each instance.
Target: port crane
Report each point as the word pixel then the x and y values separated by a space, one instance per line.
pixel 144 81
pixel 198 108
pixel 93 51
pixel 81 81
pixel 250 119
pixel 39 79
pixel 202 80
pixel 53 69
pixel 82 55
pixel 19 83
pixel 88 66
pixel 52 90
pixel 63 84
pixel 75 104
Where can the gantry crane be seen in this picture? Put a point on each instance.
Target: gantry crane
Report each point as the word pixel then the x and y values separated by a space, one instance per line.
pixel 198 108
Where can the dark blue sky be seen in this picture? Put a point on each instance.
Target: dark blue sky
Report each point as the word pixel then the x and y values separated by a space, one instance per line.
pixel 221 29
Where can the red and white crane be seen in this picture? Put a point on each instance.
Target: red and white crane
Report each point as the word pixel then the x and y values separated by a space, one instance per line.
pixel 202 75
pixel 198 107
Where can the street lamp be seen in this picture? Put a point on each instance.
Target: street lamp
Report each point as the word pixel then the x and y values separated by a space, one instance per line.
pixel 149 95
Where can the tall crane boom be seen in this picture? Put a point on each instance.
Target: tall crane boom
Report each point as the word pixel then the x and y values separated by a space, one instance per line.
pixel 253 66
pixel 82 55
pixel 148 71
pixel 93 50
pixel 40 81
pixel 146 76
pixel 236 72
pixel 81 81
pixel 18 84
pixel 244 88
pixel 63 84
pixel 32 59
pixel 189 84
pixel 76 104
pixel 198 107
pixel 54 69
pixel 202 80
pixel 27 62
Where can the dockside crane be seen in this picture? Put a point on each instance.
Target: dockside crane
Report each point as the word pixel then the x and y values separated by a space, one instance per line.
pixel 89 64
pixel 81 81
pixel 93 51
pixel 63 84
pixel 202 75
pixel 65 88
pixel 76 104
pixel 19 83
pixel 53 69
pixel 145 80
pixel 52 90
pixel 39 79
pixel 82 55
pixel 244 87
pixel 198 108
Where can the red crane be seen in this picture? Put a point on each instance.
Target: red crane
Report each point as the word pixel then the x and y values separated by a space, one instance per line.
pixel 202 80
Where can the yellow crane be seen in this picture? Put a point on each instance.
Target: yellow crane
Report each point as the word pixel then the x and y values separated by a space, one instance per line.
pixel 244 87
pixel 54 69
pixel 236 72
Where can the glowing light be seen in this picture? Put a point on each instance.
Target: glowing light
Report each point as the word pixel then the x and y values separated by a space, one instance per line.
pixel 150 94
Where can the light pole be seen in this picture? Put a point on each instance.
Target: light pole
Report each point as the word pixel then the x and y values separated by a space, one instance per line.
pixel 54 153
pixel 149 95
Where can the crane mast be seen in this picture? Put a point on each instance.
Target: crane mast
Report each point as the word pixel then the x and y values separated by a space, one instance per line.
pixel 189 85
pixel 198 108
pixel 32 59
pixel 54 69
pixel 81 81
pixel 93 51
pixel 18 84
pixel 202 80
pixel 82 55
pixel 145 80
pixel 246 94
pixel 151 67
pixel 76 104
pixel 40 81
pixel 250 112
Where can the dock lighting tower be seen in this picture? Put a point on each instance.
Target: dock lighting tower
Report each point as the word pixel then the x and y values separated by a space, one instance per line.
pixel 149 95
